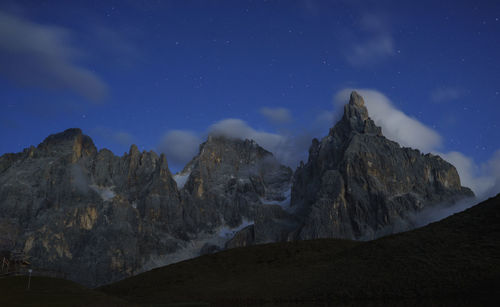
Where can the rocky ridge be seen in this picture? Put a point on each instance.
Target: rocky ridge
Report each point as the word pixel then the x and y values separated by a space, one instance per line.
pixel 99 218
pixel 357 184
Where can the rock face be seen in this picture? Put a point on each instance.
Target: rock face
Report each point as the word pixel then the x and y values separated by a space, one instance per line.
pixel 359 185
pixel 236 183
pixel 92 215
pixel 99 218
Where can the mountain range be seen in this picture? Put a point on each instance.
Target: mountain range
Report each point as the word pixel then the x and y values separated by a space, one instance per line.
pixel 453 262
pixel 97 218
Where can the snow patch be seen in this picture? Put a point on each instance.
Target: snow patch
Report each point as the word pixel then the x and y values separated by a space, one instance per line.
pixel 181 179
pixel 228 233
pixel 191 249
pixel 106 193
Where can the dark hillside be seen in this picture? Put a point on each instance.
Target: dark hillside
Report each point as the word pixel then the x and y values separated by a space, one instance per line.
pixel 52 292
pixel 456 257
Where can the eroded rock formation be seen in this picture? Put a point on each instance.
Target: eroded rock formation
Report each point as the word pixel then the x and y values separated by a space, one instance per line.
pixel 359 185
pixel 97 217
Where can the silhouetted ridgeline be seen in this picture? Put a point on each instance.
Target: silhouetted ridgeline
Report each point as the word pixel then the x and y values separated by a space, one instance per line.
pixel 456 258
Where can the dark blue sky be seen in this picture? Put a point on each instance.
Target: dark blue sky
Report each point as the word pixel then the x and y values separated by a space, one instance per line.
pixel 133 71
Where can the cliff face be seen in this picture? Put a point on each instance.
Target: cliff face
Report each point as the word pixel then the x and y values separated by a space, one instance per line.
pixel 92 215
pixel 236 183
pixel 359 185
pixel 99 218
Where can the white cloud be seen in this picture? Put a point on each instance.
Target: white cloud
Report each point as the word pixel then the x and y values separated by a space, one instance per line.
pixel 180 146
pixel 239 129
pixel 396 125
pixel 40 55
pixel 371 42
pixel 277 115
pixel 492 168
pixel 445 94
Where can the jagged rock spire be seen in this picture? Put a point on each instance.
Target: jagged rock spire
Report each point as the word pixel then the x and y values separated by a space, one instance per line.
pixel 356 108
pixel 356 99
pixel 359 185
pixel 355 119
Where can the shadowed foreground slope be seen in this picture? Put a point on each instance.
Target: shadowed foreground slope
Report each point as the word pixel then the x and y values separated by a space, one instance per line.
pixel 458 256
pixel 53 292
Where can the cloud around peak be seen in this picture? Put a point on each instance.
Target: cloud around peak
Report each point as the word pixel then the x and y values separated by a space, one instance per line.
pixel 483 179
pixel 239 129
pixel 396 125
pixel 180 146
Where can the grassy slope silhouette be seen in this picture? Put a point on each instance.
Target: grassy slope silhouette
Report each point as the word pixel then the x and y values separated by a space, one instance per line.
pixel 46 291
pixel 456 257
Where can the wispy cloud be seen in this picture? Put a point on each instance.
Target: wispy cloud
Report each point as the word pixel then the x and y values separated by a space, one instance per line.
pixel 276 115
pixel 180 146
pixel 33 54
pixel 445 94
pixel 370 42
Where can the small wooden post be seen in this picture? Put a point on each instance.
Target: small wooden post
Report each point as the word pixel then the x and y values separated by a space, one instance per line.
pixel 29 278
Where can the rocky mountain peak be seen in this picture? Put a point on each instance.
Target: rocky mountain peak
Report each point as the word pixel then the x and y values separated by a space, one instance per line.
pixel 69 142
pixel 357 184
pixel 222 157
pixel 355 119
pixel 221 147
pixel 356 107
pixel 235 183
pixel 356 99
pixel 100 217
pixel 134 150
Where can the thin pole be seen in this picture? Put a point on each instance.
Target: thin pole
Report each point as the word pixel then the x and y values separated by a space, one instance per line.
pixel 29 279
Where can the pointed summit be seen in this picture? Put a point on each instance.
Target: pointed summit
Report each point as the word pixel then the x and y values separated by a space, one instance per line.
pixel 359 185
pixel 355 119
pixel 356 109
pixel 356 99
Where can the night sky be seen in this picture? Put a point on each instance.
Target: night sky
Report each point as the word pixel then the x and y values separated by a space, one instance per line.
pixel 164 74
